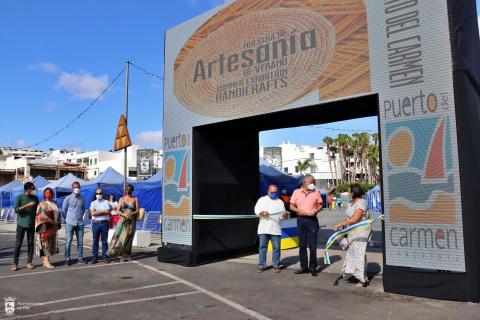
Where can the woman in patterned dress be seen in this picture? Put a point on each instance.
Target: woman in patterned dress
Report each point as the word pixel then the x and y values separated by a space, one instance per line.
pixel 47 224
pixel 356 241
pixel 121 244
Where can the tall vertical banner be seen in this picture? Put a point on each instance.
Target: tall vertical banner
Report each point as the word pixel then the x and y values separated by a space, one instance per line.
pixel 251 58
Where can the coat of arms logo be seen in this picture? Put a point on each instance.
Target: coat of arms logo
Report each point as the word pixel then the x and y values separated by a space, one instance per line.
pixel 9 306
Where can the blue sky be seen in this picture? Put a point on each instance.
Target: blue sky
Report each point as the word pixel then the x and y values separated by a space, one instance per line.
pixel 57 55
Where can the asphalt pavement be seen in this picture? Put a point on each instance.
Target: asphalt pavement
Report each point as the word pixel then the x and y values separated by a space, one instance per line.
pixel 147 289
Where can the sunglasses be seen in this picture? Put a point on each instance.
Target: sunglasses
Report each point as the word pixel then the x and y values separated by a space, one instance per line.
pixel 98 194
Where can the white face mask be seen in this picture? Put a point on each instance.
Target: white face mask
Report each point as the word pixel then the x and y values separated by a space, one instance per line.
pixel 311 187
pixel 99 197
pixel 76 190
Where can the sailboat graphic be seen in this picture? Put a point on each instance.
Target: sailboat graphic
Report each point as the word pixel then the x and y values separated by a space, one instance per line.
pixel 435 165
pixel 425 197
pixel 182 181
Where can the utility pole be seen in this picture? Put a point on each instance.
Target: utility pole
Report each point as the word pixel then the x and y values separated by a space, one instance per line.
pixel 125 166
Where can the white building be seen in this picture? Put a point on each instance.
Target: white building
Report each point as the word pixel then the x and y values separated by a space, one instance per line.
pixel 26 164
pixel 323 170
pixel 22 163
pixel 98 161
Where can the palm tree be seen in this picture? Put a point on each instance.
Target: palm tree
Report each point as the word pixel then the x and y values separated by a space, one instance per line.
pixel 373 156
pixel 364 143
pixel 328 145
pixel 355 145
pixel 343 144
pixel 376 138
pixel 305 164
pixel 334 152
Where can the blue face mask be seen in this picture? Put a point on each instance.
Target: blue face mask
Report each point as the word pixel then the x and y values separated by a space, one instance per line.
pixel 273 195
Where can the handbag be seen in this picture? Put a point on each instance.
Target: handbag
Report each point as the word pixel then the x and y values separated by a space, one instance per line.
pixel 141 214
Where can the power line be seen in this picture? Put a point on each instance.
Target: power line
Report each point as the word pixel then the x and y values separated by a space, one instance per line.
pixel 145 71
pixel 104 91
pixel 345 130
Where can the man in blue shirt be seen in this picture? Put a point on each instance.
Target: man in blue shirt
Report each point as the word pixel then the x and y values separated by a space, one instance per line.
pixel 73 209
pixel 100 210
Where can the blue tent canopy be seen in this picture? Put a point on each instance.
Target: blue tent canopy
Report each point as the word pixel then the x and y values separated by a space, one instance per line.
pixel 6 192
pixel 157 177
pixel 64 184
pixel 149 192
pixel 271 175
pixel 149 195
pixel 38 181
pixel 111 181
pixel 109 177
pixel 10 186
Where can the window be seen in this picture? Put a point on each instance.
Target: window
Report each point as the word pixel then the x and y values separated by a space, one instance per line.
pixel 285 169
pixel 312 156
pixel 296 168
pixel 85 161
pixel 96 161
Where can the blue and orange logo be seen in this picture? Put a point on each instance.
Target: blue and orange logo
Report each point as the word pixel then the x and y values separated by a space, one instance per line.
pixel 176 183
pixel 420 172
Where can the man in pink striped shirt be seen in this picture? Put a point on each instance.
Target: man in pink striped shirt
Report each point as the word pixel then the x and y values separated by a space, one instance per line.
pixel 307 202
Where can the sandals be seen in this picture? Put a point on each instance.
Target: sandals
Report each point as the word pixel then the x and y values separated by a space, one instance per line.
pixel 127 259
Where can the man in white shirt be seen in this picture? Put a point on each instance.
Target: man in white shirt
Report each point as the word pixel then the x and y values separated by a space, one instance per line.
pixel 271 210
pixel 100 210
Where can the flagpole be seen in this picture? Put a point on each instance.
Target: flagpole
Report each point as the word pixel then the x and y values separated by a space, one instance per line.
pixel 125 168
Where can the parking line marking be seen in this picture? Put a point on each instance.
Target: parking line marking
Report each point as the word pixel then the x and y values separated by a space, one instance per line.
pixel 105 293
pixel 103 305
pixel 211 294
pixel 66 269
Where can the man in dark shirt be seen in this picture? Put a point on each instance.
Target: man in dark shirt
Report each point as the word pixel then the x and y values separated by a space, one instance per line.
pixel 26 208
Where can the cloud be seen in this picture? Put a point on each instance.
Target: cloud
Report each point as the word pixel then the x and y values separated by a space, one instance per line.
pixel 82 85
pixel 45 66
pixel 149 138
pixel 50 107
pixel 156 87
pixel 75 146
pixel 20 143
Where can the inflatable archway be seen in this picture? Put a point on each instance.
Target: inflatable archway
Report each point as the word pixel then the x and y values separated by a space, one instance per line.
pixel 255 65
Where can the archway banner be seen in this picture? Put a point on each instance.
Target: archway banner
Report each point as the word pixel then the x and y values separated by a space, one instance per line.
pixel 250 59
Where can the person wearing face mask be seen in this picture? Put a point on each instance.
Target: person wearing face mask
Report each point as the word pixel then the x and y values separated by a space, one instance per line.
pixel 100 210
pixel 271 210
pixel 307 202
pixel 25 207
pixel 122 240
pixel 73 209
pixel 47 224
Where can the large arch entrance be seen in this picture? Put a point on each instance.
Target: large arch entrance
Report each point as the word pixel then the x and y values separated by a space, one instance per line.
pixel 258 65
pixel 225 162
